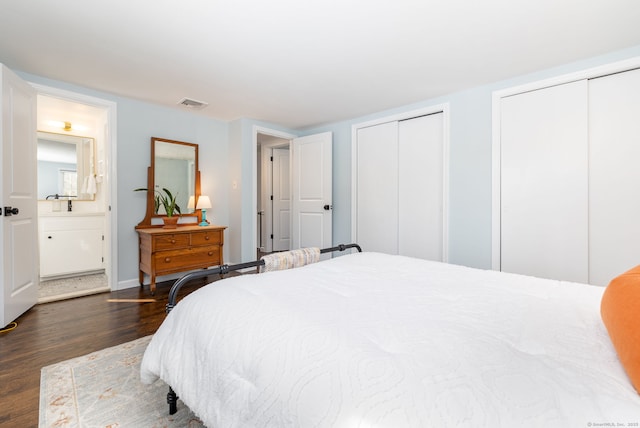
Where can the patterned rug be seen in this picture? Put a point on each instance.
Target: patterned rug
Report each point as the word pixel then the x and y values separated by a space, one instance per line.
pixel 103 389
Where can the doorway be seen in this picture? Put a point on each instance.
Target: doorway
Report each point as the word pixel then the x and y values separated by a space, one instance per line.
pixel 311 189
pixel 274 194
pixel 72 115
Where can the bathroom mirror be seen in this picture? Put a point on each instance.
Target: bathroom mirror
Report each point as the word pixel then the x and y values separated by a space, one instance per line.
pixel 174 166
pixel 66 167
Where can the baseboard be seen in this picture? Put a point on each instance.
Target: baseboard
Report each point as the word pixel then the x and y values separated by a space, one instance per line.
pixel 123 285
pixel 131 283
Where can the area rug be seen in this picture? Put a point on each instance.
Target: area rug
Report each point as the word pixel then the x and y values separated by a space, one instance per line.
pixel 103 389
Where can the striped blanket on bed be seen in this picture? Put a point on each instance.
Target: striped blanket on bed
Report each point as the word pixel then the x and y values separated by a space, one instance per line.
pixel 290 259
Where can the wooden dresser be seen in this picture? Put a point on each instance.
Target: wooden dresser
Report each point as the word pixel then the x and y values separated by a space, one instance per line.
pixel 166 251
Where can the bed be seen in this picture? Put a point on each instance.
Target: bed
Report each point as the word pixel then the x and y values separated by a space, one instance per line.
pixel 374 340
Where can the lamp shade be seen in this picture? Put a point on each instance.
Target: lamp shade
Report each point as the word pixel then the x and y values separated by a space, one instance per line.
pixel 203 203
pixel 192 202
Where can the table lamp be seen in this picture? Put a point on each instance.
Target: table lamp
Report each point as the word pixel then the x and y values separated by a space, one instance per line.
pixel 203 204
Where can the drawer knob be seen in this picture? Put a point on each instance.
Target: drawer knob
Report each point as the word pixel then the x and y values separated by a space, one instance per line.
pixel 210 253
pixel 173 241
pixel 167 259
pixel 206 238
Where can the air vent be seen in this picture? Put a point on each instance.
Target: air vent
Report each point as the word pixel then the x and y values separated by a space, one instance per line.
pixel 193 104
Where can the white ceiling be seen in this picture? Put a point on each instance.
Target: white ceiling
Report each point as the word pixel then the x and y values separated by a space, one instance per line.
pixel 304 63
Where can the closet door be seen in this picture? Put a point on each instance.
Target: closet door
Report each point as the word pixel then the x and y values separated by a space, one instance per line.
pixel 377 188
pixel 544 183
pixel 420 197
pixel 614 175
pixel 400 187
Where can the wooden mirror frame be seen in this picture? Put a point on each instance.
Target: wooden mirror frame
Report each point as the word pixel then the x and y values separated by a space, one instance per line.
pixel 147 222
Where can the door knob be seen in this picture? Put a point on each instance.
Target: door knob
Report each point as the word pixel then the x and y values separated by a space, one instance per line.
pixel 8 211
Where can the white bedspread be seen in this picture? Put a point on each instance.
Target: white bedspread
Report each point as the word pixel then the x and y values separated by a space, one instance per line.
pixel 371 340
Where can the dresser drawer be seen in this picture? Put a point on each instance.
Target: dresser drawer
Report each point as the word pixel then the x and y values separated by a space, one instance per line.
pixel 167 242
pixel 206 238
pixel 184 259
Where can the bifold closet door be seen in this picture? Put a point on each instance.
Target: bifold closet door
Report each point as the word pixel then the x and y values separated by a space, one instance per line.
pixel 399 187
pixel 420 197
pixel 544 183
pixel 377 188
pixel 614 175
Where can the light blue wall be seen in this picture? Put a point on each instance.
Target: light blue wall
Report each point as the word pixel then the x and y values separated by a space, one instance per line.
pixel 137 123
pixel 242 205
pixel 469 174
pixel 470 161
pixel 234 233
pixel 227 150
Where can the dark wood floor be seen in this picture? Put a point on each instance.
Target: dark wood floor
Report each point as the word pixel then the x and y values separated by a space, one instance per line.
pixel 54 332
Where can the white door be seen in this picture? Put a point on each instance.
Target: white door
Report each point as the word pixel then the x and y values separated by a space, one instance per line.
pixel 19 231
pixel 399 187
pixel 544 183
pixel 614 175
pixel 421 189
pixel 311 214
pixel 377 188
pixel 281 194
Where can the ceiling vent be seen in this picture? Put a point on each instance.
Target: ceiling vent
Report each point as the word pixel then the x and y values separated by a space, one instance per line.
pixel 193 104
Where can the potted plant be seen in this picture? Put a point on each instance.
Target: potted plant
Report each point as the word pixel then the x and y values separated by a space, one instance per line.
pixel 168 201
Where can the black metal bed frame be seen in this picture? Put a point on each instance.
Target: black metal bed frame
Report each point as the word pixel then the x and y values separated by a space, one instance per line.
pixel 172 398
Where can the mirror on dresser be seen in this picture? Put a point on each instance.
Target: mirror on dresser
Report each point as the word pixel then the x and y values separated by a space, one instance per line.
pixel 174 166
pixel 66 167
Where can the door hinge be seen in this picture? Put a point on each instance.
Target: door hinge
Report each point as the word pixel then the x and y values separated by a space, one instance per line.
pixel 103 237
pixel 272 197
pixel 272 236
pixel 271 158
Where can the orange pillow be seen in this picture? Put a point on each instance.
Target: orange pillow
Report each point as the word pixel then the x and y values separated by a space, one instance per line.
pixel 620 311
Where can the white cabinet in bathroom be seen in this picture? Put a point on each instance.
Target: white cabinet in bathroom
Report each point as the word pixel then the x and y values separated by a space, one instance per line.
pixel 70 244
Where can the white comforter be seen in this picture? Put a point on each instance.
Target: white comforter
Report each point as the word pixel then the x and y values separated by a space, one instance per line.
pixel 371 340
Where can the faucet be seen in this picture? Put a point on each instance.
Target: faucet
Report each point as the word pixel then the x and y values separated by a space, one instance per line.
pixel 57 197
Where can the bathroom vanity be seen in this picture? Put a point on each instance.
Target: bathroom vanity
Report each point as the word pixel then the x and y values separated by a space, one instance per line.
pixel 71 243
